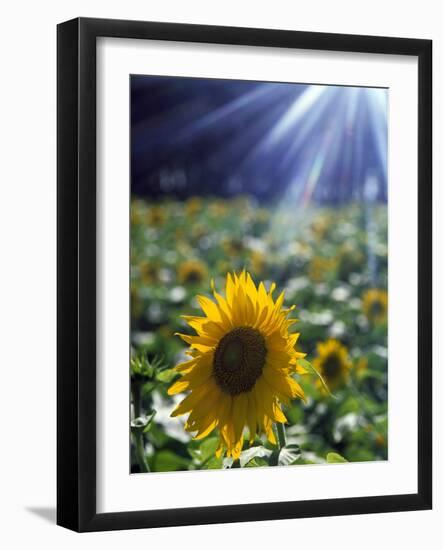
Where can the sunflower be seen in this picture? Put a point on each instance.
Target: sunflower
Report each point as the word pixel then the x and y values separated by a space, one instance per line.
pixel 375 305
pixel 361 367
pixel 193 205
pixel 149 272
pixel 241 365
pixel 234 246
pixel 320 268
pixel 218 208
pixel 199 230
pixel 156 215
pixel 136 213
pixel 192 272
pixel 320 226
pixel 257 261
pixel 333 363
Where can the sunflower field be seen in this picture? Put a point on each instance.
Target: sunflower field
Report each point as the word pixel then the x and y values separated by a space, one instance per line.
pixel 331 381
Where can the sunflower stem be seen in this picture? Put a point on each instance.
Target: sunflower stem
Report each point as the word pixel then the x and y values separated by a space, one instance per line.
pixel 140 452
pixel 138 434
pixel 281 434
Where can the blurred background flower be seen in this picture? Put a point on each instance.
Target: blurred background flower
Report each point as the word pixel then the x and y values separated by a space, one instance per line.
pixel 333 363
pixel 192 272
pixel 375 305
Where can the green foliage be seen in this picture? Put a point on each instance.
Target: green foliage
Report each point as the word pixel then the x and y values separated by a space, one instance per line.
pixel 257 462
pixel 289 454
pixel 335 458
pixel 256 455
pixel 154 369
pixel 167 461
pixel 142 423
pixel 204 455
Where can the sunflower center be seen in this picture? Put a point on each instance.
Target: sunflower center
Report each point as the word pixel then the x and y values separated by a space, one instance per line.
pixel 332 366
pixel 193 276
pixel 376 308
pixel 239 360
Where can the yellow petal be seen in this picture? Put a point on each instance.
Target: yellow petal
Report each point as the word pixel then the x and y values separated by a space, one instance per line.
pixel 284 384
pixel 178 387
pixel 251 416
pixel 185 366
pixel 190 401
pixel 209 308
pixel 239 410
pixel 269 431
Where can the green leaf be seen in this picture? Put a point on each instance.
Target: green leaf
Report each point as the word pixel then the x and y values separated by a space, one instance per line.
pixel 208 448
pixel 257 462
pixel 254 452
pixel 215 463
pixel 348 405
pixel 335 458
pixel 205 452
pixel 308 366
pixel 195 453
pixel 143 422
pixel 141 365
pixel 165 375
pixel 167 461
pixel 147 388
pixel 289 455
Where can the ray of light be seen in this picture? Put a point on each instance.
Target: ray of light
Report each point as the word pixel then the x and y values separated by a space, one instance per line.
pixel 238 106
pixel 295 113
pixel 377 102
pixel 315 142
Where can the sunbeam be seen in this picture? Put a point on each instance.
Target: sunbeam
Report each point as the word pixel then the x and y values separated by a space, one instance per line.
pixel 267 137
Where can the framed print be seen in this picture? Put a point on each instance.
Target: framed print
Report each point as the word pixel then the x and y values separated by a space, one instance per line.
pixel 244 274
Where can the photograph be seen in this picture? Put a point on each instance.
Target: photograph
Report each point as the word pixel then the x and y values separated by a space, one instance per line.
pixel 258 274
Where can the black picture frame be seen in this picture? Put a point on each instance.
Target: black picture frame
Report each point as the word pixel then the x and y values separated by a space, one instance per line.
pixel 76 266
